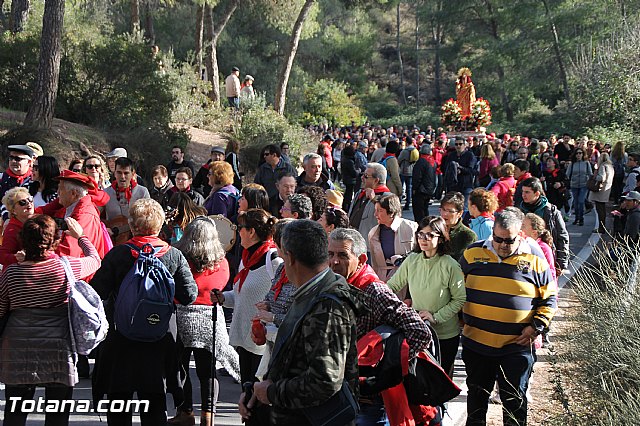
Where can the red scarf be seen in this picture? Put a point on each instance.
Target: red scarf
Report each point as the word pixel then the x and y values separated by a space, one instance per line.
pixel 387 155
pixel 377 191
pixel 488 215
pixel 429 159
pixel 523 177
pixel 19 178
pixel 141 240
pixel 555 172
pixel 249 261
pixel 277 288
pixel 363 277
pixel 127 191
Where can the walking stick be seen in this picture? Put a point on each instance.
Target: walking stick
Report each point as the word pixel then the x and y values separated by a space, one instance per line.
pixel 214 319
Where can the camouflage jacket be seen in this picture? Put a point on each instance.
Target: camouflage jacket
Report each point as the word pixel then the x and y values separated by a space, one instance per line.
pixel 309 362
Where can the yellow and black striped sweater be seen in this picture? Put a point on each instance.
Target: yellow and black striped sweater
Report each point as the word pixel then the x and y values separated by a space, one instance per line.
pixel 504 296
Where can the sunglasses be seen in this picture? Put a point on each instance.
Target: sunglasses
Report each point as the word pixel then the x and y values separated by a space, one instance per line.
pixel 501 240
pixel 427 235
pixel 77 170
pixel 266 154
pixel 17 159
pixel 459 143
pixel 91 166
pixel 25 201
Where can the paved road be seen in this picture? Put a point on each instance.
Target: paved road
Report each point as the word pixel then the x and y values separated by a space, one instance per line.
pixel 580 239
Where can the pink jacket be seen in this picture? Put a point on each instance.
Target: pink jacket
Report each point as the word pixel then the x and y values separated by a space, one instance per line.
pixel 504 190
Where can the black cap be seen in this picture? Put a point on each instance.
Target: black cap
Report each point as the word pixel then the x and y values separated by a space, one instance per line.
pixel 22 148
pixel 234 69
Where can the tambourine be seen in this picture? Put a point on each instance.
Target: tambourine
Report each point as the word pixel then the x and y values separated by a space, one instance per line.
pixel 226 231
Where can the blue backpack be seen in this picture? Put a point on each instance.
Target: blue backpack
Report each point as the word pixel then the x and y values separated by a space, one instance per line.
pixel 144 303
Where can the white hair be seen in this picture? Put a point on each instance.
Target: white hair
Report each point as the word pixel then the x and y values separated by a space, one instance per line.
pixel 73 186
pixel 379 171
pixel 311 156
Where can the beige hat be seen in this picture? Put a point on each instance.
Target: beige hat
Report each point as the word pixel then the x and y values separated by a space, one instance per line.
pixel 334 198
pixel 36 148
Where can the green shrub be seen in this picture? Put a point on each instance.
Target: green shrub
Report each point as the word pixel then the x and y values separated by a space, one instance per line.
pixel 613 134
pixel 409 116
pixel 259 126
pixel 19 59
pixel 115 84
pixel 327 101
pixel 603 347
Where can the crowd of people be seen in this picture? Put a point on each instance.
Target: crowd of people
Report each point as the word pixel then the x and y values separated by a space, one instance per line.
pixel 303 265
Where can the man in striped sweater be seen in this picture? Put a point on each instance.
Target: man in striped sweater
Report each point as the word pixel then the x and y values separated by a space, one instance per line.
pixel 510 300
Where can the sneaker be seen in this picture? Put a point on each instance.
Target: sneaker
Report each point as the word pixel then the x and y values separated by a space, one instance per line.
pixel 546 343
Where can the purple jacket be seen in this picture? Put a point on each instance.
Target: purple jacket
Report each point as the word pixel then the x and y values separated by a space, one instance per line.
pixel 223 201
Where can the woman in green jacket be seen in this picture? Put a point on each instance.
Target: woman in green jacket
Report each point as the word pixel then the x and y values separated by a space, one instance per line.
pixel 436 285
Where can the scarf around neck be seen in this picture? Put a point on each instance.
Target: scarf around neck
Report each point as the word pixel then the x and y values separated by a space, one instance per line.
pixel 19 178
pixel 249 261
pixel 141 240
pixel 363 277
pixel 126 191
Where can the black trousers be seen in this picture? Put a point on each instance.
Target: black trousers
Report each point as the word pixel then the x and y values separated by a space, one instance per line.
pixel 203 359
pixel 420 206
pixel 53 392
pixel 448 352
pixel 601 209
pixel 249 363
pixel 155 416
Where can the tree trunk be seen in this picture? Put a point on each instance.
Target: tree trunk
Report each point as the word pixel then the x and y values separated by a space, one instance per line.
pixel 19 15
pixel 213 33
pixel 437 35
pixel 506 103
pixel 149 31
pixel 559 57
pixel 417 61
pixel 285 70
pixel 199 35
pixel 3 18
pixel 135 17
pixel 40 113
pixel 402 89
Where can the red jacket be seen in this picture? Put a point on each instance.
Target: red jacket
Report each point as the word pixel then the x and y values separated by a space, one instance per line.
pixel 504 190
pixel 10 244
pixel 87 215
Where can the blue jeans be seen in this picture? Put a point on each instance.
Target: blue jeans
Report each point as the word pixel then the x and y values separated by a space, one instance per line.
pixel 372 414
pixel 407 182
pixel 579 195
pixel 512 372
pixel 234 102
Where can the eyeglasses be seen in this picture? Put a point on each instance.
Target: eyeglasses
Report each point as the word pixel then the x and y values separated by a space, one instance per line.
pixel 501 240
pixel 427 235
pixel 182 179
pixel 266 154
pixel 366 176
pixel 17 159
pixel 459 143
pixel 74 170
pixel 25 201
pixel 581 153
pixel 91 166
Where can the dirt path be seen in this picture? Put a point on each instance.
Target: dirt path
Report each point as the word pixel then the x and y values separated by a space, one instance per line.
pixel 201 142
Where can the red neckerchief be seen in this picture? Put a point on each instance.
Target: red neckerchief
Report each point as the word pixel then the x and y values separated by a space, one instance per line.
pixel 378 190
pixel 249 261
pixel 127 191
pixel 277 288
pixel 141 240
pixel 387 155
pixel 523 177
pixel 429 159
pixel 19 178
pixel 488 215
pixel 555 172
pixel 363 277
pixel 207 166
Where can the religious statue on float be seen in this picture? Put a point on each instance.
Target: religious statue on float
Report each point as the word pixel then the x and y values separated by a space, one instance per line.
pixel 465 92
pixel 466 113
